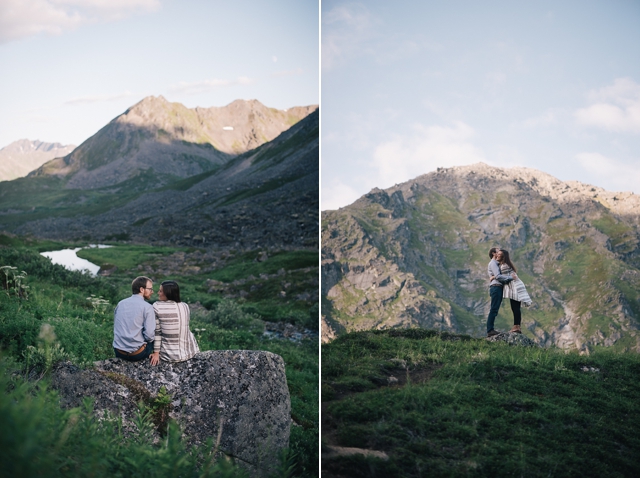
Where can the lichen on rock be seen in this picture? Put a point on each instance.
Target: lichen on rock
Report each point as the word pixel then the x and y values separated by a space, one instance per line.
pixel 243 392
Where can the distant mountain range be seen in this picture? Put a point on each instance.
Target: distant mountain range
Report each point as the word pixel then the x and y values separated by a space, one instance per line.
pixel 416 254
pixel 169 141
pixel 243 176
pixel 23 156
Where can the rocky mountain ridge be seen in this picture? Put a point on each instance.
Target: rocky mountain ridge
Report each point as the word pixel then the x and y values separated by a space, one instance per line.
pixel 416 255
pixel 170 141
pixel 266 198
pixel 23 156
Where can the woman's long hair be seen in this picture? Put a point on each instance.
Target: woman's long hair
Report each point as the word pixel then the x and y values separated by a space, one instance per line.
pixel 506 260
pixel 171 290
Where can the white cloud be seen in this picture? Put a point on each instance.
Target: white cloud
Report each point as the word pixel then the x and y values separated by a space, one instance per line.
pixel 615 107
pixel 203 86
pixel 426 149
pixel 611 174
pixel 24 18
pixel 338 194
pixel 97 98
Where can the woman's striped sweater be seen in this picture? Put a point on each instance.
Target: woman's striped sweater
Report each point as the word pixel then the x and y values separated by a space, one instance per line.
pixel 515 289
pixel 174 340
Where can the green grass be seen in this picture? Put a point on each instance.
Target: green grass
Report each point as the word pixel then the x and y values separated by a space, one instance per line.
pixel 487 409
pixel 126 256
pixel 245 265
pixel 296 268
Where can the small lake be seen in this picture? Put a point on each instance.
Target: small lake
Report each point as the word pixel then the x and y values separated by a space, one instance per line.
pixel 69 260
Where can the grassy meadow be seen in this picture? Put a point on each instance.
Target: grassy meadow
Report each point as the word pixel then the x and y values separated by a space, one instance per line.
pixel 41 439
pixel 419 403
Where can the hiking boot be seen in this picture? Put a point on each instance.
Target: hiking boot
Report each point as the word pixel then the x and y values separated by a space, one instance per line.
pixel 492 333
pixel 516 329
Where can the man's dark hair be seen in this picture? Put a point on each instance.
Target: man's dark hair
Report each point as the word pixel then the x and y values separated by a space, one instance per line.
pixel 492 251
pixel 139 282
pixel 171 290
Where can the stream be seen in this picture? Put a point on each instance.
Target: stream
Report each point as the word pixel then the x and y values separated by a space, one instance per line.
pixel 69 260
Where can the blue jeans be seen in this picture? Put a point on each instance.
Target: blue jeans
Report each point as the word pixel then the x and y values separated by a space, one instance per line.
pixel 495 292
pixel 148 350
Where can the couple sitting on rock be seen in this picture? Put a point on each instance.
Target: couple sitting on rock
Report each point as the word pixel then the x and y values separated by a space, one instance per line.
pixel 160 332
pixel 504 283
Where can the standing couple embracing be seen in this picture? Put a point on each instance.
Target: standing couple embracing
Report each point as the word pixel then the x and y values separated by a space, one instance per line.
pixel 504 283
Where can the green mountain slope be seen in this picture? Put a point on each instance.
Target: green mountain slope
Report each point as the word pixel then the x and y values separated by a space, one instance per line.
pixel 416 254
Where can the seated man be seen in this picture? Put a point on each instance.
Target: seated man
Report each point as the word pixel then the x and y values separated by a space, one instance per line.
pixel 134 323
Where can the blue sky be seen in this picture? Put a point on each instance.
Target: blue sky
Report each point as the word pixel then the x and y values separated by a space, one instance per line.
pixel 71 66
pixel 408 87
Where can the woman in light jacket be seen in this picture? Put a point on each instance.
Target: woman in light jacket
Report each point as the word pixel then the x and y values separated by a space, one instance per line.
pixel 174 341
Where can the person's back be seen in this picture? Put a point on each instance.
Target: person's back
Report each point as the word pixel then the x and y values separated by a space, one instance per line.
pixel 134 323
pixel 174 341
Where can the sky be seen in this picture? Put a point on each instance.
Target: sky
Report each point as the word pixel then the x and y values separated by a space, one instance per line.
pixel 71 66
pixel 408 87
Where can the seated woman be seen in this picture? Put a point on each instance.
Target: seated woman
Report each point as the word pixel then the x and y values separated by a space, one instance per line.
pixel 174 341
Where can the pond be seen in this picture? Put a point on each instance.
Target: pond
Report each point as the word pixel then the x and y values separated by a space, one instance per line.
pixel 69 260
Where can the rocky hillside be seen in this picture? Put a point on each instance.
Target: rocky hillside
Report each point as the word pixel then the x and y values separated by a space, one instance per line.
pixel 416 254
pixel 23 156
pixel 266 198
pixel 168 141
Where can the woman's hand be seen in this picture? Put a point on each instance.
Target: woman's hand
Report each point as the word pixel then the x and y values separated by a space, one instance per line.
pixel 491 278
pixel 154 358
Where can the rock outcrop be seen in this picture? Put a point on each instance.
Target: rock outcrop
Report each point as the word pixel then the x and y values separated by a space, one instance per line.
pixel 513 339
pixel 239 395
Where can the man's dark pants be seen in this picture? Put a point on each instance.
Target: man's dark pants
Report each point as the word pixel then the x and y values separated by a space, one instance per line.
pixel 148 350
pixel 495 291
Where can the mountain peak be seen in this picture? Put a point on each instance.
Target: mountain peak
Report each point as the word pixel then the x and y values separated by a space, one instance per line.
pixel 153 99
pixel 23 156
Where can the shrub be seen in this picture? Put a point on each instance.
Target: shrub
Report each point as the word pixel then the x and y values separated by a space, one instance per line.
pixel 229 315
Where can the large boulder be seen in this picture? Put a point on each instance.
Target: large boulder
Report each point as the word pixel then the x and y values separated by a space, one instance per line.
pixel 237 396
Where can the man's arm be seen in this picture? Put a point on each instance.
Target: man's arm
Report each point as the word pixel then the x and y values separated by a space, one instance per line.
pixel 149 329
pixel 495 271
pixel 154 358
